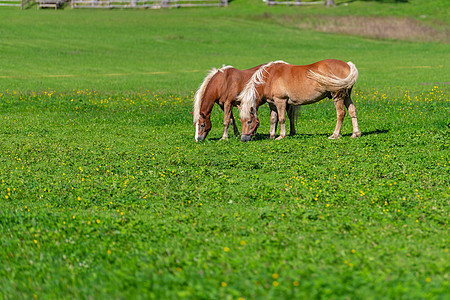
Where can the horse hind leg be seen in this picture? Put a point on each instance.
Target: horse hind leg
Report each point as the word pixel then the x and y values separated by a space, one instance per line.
pixel 352 112
pixel 293 112
pixel 340 113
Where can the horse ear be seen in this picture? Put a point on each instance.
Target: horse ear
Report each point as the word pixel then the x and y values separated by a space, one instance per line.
pixel 191 113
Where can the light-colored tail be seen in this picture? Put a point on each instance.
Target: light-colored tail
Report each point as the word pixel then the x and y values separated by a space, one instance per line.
pixel 333 83
pixel 198 97
pixel 249 94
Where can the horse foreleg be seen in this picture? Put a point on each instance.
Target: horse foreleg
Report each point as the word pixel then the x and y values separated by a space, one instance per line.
pixel 340 112
pixel 281 108
pixel 352 112
pixel 226 119
pixel 273 120
pixel 233 124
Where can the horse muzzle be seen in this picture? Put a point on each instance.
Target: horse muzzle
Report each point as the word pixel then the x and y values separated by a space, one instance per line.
pixel 246 137
pixel 200 138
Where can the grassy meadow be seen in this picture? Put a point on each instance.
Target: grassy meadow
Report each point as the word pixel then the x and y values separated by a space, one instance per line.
pixel 105 194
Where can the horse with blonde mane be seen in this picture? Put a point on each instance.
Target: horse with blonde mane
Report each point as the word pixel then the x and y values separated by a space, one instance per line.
pixel 282 84
pixel 220 86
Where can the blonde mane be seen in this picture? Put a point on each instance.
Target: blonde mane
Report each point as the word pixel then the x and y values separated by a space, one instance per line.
pixel 198 97
pixel 249 94
pixel 334 83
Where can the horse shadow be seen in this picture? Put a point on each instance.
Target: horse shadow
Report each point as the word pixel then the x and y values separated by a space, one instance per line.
pixel 376 131
pixel 261 136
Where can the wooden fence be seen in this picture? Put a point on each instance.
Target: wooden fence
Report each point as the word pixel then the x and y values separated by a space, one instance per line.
pixel 50 3
pixel 155 4
pixel 113 3
pixel 294 2
pixel 141 3
pixel 20 3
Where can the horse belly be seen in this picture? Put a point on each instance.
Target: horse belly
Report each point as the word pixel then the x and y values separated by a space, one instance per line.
pixel 306 97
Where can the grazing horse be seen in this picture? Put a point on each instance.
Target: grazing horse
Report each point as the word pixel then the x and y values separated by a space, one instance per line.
pixel 220 86
pixel 281 84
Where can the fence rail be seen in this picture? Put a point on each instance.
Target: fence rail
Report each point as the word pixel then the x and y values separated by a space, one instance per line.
pixel 10 3
pixel 294 2
pixel 19 3
pixel 50 3
pixel 145 3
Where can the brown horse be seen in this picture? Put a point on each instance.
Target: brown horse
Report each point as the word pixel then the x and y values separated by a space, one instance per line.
pixel 220 86
pixel 281 84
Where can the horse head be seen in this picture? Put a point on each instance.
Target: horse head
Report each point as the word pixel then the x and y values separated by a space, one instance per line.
pixel 249 126
pixel 202 127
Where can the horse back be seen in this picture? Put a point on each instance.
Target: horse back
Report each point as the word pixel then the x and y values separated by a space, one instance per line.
pixel 292 81
pixel 232 81
pixel 335 67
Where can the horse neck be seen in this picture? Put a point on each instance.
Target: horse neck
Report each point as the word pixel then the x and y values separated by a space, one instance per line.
pixel 260 95
pixel 209 98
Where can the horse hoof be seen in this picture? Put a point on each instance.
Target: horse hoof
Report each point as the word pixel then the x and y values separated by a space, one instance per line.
pixel 334 137
pixel 279 138
pixel 356 135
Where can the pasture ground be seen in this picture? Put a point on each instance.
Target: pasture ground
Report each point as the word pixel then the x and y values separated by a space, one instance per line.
pixel 104 193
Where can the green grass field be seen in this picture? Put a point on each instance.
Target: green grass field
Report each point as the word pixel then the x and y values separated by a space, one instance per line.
pixel 105 194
